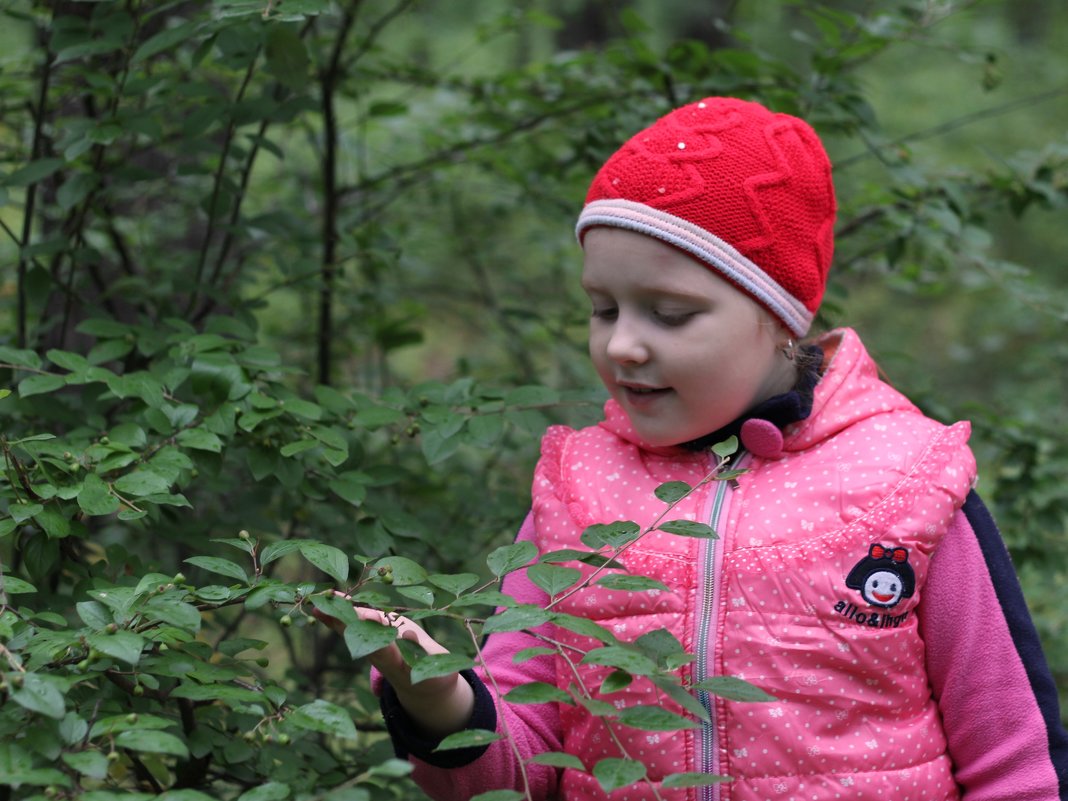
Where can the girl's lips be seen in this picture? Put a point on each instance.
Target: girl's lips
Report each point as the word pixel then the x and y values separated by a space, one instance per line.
pixel 639 397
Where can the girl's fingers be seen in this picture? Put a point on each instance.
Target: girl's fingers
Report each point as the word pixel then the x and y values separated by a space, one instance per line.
pixel 406 628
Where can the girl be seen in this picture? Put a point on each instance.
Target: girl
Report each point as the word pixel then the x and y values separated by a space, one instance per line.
pixel 856 577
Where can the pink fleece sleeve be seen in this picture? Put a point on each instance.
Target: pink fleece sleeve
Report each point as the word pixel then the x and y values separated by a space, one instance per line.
pixel 986 669
pixel 529 729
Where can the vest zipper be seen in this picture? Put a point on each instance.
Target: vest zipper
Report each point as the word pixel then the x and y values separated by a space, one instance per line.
pixel 709 752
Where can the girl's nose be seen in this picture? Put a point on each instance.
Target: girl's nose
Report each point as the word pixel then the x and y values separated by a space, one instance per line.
pixel 625 345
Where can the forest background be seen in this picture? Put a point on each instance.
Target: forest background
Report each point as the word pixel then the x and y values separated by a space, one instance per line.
pixel 288 293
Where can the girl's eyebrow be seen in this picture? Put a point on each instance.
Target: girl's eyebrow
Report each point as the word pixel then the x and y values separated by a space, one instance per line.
pixel 654 290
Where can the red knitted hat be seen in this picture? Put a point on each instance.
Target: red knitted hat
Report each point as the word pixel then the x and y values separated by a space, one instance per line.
pixel 744 190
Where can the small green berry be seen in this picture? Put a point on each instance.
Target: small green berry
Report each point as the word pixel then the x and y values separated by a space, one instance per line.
pixel 286 621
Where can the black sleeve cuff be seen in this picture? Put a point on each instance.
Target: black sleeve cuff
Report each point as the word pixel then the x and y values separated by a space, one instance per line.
pixel 408 740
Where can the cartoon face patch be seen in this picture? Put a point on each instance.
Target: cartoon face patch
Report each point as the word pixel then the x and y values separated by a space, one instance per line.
pixel 884 577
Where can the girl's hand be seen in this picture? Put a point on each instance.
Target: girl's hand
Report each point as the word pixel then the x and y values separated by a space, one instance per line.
pixel 440 705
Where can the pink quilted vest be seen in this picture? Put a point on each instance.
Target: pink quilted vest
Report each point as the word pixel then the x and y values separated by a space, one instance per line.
pixel 810 593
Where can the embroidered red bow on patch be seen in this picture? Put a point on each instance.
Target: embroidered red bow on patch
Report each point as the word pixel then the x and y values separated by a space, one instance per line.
pixel 897 554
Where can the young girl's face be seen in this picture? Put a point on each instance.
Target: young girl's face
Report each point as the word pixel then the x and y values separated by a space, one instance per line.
pixel 679 348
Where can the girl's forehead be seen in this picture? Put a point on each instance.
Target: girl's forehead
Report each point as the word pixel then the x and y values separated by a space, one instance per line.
pixel 618 261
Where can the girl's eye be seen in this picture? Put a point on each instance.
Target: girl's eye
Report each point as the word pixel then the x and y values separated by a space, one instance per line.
pixel 673 319
pixel 608 313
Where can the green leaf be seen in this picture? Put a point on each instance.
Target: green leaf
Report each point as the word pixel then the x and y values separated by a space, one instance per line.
pixel 366 636
pixel 517 618
pixel 141 482
pixel 53 522
pixel 336 607
pixel 327 558
pixel 374 417
pixel 15 586
pixel 122 645
pixel 511 557
pixel 616 681
pixel 302 408
pixel 433 665
pixel 116 723
pixel 584 626
pixel 301 445
pixel 689 528
pixel 485 429
pixel 271 791
pixel 728 447
pixel 223 567
pixel 558 759
pixel 420 594
pixel 184 795
pixel 95 497
pixel 276 550
pixel 20 356
pixel 537 692
pixel 532 396
pixel 614 535
pixel 469 738
pixel 94 614
pixel 553 578
pixel 694 779
pixel 350 486
pixel 672 491
pixel 129 434
pixel 167 39
pixel 107 351
pixel 32 173
pixel 612 773
pixel 619 581
pixel 733 689
pixel 287 56
pixel 438 446
pixel 526 654
pixel 404 571
pixel 153 742
pixel 39 694
pixel 620 657
pixel 88 763
pixel 323 716
pixel 173 612
pixel 200 439
pixel 228 694
pixel 75 189
pixel 40 384
pixel 67 360
pixel 454 583
pixel 654 718
pixel 21 512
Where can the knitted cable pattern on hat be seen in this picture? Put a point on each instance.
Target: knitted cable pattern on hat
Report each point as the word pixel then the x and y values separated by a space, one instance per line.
pixel 744 190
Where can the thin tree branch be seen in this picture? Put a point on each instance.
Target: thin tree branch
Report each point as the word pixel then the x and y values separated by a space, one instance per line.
pixel 951 125
pixel 216 190
pixel 31 192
